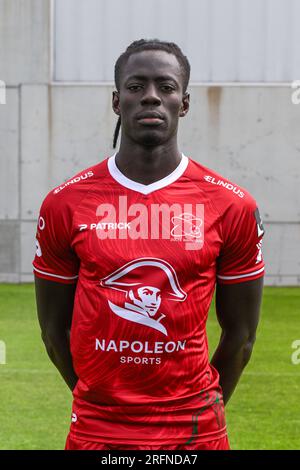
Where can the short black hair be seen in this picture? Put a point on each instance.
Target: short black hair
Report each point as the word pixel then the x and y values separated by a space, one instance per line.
pixel 150 45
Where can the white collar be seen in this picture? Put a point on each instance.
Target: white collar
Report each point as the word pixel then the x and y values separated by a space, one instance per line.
pixel 117 175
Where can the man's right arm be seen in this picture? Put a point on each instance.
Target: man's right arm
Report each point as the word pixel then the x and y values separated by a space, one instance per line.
pixel 55 303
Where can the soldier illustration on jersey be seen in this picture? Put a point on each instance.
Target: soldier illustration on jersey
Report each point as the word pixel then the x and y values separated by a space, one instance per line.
pixel 145 282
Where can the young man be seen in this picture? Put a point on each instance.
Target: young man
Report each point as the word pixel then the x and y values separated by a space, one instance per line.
pixel 128 255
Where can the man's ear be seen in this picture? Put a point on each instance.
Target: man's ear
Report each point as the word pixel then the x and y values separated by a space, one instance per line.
pixel 116 103
pixel 185 105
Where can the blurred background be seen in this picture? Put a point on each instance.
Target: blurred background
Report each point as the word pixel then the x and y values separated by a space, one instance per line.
pixel 57 60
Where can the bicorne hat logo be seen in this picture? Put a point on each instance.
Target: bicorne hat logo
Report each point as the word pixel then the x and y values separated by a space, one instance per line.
pixel 146 282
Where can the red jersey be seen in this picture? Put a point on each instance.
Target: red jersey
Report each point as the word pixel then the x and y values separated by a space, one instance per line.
pixel 146 259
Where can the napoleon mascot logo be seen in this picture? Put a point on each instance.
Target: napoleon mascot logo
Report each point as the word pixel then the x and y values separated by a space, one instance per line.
pixel 146 282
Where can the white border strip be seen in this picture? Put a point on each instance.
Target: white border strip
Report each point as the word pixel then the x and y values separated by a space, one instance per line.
pixel 54 275
pixel 241 276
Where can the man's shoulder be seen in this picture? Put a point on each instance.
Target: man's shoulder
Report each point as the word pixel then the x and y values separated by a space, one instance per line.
pixel 73 190
pixel 82 180
pixel 222 192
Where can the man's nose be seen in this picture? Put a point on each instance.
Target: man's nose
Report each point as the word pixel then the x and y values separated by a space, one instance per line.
pixel 151 95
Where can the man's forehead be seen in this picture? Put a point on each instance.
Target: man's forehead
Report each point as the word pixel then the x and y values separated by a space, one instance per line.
pixel 152 63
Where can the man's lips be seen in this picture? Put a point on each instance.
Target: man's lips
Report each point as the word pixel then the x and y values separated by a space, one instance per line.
pixel 150 118
pixel 150 114
pixel 151 121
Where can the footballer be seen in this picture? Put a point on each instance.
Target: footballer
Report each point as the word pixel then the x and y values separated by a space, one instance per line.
pixel 129 253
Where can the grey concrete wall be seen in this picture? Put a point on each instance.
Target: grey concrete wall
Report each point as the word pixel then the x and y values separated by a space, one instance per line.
pixel 24 58
pixel 24 41
pixel 49 132
pixel 9 188
pixel 248 134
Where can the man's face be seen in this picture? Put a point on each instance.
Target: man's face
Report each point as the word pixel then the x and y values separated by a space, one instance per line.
pixel 148 298
pixel 151 100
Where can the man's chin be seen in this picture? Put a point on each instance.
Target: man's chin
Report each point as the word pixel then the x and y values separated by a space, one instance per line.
pixel 151 139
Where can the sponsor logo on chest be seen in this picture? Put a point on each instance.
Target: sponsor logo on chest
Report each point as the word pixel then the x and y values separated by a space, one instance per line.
pixel 175 222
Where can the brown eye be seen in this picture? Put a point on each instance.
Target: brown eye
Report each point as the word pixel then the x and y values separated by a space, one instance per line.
pixel 167 88
pixel 134 87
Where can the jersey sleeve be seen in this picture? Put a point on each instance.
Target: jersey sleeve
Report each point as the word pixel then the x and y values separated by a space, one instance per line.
pixel 241 258
pixel 54 259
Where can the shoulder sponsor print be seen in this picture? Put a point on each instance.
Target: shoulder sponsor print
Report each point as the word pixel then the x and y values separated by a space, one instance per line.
pixel 82 177
pixel 225 184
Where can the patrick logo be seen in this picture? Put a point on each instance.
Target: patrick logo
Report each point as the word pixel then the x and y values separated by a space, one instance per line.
pixel 145 282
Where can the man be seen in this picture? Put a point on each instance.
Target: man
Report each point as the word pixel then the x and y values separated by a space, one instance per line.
pixel 128 255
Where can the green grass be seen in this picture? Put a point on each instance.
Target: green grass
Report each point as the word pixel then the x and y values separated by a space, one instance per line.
pixel 263 413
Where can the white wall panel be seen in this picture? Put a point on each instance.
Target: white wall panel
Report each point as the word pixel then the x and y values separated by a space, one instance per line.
pixel 225 40
pixel 295 39
pixel 198 38
pixel 224 44
pixel 251 39
pixel 278 37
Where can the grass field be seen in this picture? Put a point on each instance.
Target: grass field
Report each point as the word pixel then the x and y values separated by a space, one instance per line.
pixel 264 412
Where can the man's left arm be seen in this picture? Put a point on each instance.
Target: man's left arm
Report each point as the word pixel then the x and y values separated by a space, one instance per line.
pixel 238 310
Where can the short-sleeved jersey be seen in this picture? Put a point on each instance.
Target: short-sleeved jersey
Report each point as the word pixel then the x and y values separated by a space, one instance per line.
pixel 146 259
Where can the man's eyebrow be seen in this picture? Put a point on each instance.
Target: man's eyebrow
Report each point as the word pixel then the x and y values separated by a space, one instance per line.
pixel 158 79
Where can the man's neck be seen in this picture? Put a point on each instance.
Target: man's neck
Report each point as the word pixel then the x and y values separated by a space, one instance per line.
pixel 146 165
